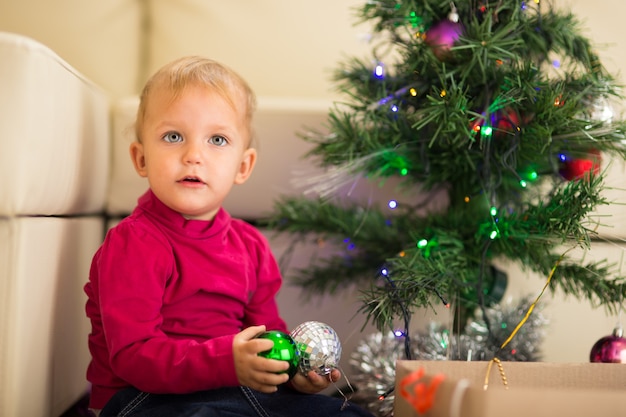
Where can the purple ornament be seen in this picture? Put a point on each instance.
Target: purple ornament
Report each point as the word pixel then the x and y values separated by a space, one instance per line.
pixel 610 349
pixel 442 35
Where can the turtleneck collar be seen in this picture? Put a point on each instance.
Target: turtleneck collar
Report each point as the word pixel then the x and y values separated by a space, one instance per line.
pixel 174 221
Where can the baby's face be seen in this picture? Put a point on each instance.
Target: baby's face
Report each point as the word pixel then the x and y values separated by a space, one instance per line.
pixel 194 148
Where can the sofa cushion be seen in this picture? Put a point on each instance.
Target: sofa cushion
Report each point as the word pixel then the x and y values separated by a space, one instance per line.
pixel 55 148
pixel 44 262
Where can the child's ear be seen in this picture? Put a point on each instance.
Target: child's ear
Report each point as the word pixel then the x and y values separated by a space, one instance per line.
pixel 138 158
pixel 247 165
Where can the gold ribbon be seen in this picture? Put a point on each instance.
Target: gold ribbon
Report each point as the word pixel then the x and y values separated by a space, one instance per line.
pixel 519 326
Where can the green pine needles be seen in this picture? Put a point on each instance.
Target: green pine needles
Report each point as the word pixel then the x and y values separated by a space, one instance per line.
pixel 501 104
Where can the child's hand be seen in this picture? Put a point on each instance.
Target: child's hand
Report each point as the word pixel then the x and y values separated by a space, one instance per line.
pixel 255 371
pixel 314 383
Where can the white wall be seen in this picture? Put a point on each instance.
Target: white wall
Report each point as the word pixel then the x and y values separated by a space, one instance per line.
pixel 99 38
pixel 283 48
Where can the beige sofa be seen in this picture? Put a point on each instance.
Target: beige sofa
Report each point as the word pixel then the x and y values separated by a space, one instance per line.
pixel 54 170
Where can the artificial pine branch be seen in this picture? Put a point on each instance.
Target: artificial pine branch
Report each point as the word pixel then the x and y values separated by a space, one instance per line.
pixel 487 118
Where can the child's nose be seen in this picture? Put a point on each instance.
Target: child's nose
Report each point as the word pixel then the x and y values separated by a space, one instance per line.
pixel 193 153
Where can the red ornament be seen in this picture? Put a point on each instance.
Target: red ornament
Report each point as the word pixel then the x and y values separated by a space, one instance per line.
pixel 441 37
pixel 579 168
pixel 506 121
pixel 610 349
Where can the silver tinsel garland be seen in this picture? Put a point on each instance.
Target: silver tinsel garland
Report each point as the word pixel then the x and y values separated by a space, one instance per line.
pixel 374 360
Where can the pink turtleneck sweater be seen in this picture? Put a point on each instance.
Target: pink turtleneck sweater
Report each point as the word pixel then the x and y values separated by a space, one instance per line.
pixel 166 296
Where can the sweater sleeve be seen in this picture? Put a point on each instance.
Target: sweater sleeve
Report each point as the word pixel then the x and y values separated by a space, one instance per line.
pixel 262 307
pixel 132 269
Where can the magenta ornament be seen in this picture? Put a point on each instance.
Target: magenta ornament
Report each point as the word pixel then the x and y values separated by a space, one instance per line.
pixel 442 35
pixel 610 349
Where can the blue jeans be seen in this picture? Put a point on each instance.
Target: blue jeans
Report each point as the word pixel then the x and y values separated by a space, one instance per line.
pixel 229 402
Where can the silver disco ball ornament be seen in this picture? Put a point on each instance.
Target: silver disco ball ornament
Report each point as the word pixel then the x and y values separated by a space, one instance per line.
pixel 319 346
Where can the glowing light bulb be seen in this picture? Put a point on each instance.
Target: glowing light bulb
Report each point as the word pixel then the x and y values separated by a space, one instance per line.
pixel 404 172
pixel 493 235
pixel 558 101
pixel 413 92
pixel 379 71
pixel 392 204
pixel 493 211
pixel 422 243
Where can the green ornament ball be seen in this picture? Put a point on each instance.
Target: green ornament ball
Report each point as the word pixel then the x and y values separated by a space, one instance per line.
pixel 284 349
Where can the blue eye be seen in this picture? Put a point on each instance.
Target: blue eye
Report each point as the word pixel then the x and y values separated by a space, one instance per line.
pixel 218 140
pixel 173 137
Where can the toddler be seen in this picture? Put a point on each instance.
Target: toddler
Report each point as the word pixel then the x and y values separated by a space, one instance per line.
pixel 179 290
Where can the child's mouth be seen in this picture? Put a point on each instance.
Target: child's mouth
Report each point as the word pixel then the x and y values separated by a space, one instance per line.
pixel 193 180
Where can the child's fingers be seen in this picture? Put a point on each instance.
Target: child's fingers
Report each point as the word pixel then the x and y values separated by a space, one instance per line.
pixel 251 332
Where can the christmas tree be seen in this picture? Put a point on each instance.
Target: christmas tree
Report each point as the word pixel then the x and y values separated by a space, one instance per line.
pixel 504 106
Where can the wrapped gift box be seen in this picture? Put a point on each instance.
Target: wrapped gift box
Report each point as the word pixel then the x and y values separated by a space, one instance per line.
pixel 538 389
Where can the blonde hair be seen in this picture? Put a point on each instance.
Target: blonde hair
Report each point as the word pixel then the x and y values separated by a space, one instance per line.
pixel 198 71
